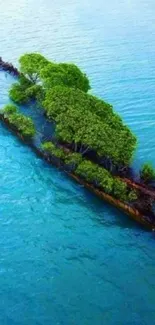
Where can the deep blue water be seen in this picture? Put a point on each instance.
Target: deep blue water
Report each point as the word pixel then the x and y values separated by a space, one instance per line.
pixel 66 257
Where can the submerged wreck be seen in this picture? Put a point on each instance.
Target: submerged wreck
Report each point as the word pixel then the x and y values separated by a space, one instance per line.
pixel 86 138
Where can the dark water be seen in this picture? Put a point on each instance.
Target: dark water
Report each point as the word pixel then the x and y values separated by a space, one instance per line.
pixel 66 257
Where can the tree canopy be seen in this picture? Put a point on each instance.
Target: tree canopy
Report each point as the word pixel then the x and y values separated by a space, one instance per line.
pixel 92 173
pixel 147 172
pixel 31 64
pixel 37 68
pixel 21 122
pixel 84 119
pixel 67 74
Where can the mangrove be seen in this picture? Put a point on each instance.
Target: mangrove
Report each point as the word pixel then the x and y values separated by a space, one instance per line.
pixel 91 142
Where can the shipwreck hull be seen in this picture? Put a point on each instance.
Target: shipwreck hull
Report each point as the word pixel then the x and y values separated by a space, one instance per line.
pixel 134 213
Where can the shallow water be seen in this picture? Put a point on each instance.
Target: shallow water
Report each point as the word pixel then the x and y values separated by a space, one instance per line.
pixel 66 257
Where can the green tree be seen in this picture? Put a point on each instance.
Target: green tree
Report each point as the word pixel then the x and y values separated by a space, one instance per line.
pixel 83 119
pixel 22 123
pixel 147 172
pixel 65 74
pixel 94 174
pixel 52 149
pixel 132 196
pixel 18 94
pixel 73 158
pixel 9 109
pixel 120 189
pixel 31 64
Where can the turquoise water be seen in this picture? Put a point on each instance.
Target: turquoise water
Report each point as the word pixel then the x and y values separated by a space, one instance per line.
pixel 66 257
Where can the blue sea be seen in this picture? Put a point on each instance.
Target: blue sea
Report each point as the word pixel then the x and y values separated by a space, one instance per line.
pixel 67 258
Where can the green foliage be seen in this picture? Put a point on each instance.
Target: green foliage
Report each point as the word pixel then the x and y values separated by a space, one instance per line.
pixel 24 82
pixel 10 109
pixel 25 91
pixel 31 64
pixel 18 94
pixel 73 158
pixel 92 173
pixel 82 118
pixel 34 92
pixel 21 122
pixel 120 189
pixel 147 173
pixel 52 149
pixel 65 74
pixel 95 174
pixel 132 196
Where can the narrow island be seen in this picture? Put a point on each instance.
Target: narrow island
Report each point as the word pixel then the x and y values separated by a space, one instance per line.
pixel 53 112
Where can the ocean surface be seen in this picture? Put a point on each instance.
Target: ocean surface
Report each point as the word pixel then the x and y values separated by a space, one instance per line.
pixel 67 258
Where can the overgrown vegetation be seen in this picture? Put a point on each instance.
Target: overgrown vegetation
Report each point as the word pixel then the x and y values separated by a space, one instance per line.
pixel 31 65
pixel 25 91
pixel 147 173
pixel 89 123
pixel 83 122
pixel 53 150
pixel 21 122
pixel 92 173
pixel 64 74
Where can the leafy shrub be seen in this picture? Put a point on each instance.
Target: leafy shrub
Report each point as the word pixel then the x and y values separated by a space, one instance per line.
pixel 18 94
pixel 10 109
pixel 95 174
pixel 34 92
pixel 21 122
pixel 120 189
pixel 31 64
pixel 147 173
pixel 55 74
pixel 74 158
pixel 88 170
pixel 53 150
pixel 132 196
pixel 85 119
pixel 24 82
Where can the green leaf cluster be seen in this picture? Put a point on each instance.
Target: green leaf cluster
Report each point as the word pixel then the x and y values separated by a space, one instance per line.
pixel 52 149
pixel 147 172
pixel 73 158
pixel 69 158
pixel 92 173
pixel 84 119
pixel 21 122
pixel 22 93
pixel 38 69
pixel 101 177
pixel 18 94
pixel 64 74
pixel 31 64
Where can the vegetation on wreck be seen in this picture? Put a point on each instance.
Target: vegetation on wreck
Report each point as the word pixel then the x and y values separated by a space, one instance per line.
pixel 38 69
pixel 92 173
pixel 91 139
pixel 25 91
pixel 85 123
pixel 147 173
pixel 23 124
pixel 88 123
